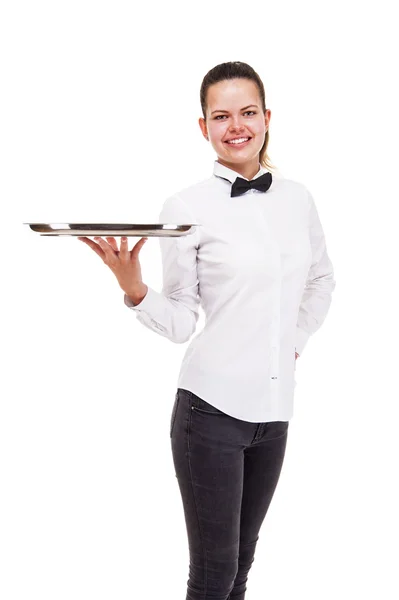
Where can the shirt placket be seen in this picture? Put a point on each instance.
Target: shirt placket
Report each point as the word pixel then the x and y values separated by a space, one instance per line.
pixel 275 341
pixel 274 334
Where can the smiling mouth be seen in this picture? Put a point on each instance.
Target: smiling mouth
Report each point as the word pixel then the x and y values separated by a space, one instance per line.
pixel 231 143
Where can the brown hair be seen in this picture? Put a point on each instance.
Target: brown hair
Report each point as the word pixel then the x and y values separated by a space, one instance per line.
pixel 234 70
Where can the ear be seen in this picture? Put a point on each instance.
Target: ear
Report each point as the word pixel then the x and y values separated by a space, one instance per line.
pixel 203 127
pixel 267 117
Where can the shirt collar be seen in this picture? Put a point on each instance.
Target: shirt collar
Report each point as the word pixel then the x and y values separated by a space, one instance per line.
pixel 222 171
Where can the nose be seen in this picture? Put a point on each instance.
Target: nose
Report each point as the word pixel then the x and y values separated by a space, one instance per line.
pixel 236 124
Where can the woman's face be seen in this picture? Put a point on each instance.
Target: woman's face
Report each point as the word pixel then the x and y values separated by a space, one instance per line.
pixel 234 111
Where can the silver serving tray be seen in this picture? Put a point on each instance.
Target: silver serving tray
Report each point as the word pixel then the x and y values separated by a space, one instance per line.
pixel 112 229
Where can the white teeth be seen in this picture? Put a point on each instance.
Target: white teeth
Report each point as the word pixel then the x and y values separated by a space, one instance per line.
pixel 239 141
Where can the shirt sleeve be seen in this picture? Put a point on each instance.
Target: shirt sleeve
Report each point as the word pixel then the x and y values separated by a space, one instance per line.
pixel 320 283
pixel 174 312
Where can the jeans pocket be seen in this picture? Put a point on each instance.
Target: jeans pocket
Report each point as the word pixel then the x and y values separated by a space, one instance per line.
pixel 277 429
pixel 174 411
pixel 199 405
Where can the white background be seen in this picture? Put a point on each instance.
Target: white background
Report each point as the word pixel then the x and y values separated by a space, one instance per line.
pixel 99 122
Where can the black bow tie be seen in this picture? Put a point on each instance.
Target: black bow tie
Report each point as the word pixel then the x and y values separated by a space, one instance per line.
pixel 262 183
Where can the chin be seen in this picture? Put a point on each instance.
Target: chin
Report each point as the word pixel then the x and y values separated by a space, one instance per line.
pixel 247 153
pixel 243 157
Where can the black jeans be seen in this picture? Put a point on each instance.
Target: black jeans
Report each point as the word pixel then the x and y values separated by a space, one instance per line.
pixel 227 470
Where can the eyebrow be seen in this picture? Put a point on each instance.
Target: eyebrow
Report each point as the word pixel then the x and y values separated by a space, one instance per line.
pixel 225 111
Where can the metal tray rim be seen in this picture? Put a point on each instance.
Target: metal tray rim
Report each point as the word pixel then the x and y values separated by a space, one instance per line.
pixel 132 229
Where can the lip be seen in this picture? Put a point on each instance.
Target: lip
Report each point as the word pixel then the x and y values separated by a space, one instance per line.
pixel 238 145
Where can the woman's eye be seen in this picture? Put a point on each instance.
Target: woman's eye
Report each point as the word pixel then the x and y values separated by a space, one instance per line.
pixel 248 111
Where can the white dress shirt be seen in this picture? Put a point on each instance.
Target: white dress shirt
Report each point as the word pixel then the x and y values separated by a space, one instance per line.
pixel 257 264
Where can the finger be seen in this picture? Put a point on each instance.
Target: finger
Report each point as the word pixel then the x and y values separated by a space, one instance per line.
pixel 93 245
pixel 124 252
pixel 113 244
pixel 110 257
pixel 137 247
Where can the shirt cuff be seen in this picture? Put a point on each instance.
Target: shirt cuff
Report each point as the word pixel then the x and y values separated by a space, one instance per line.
pixel 146 302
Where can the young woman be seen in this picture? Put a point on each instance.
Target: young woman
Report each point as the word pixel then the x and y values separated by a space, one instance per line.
pixel 257 263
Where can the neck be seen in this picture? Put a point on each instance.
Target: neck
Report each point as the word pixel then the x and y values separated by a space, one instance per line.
pixel 248 169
